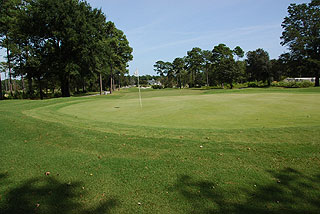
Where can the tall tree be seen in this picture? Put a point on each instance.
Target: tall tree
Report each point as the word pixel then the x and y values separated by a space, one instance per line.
pixel 65 33
pixel 166 72
pixel 8 20
pixel 194 62
pixel 301 34
pixel 258 66
pixel 238 52
pixel 178 67
pixel 225 65
pixel 207 64
pixel 160 68
pixel 276 70
pixel 170 74
pixel 1 95
pixel 63 41
pixel 240 65
pixel 293 65
pixel 117 51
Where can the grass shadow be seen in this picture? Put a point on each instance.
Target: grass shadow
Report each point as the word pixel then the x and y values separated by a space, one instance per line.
pixel 290 192
pixel 3 175
pixel 50 196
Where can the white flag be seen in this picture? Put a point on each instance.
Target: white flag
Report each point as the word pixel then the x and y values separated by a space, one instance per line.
pixel 136 73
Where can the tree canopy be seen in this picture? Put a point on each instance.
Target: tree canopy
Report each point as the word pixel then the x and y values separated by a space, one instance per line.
pixel 63 43
pixel 258 65
pixel 301 34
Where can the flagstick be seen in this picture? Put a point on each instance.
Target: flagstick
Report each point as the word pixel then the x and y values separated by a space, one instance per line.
pixel 139 93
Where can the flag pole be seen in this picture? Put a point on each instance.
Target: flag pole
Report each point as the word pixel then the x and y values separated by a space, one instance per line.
pixel 139 93
pixel 137 75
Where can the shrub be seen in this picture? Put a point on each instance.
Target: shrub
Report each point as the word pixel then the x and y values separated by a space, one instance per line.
pixel 206 87
pixel 157 87
pixel 241 85
pixel 57 94
pixel 293 84
pixel 255 84
pixel 305 84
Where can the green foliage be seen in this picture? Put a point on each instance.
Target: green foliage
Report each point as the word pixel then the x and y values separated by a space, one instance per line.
pixel 226 68
pixel 293 84
pixel 166 72
pixel 301 34
pixel 221 52
pixel 255 84
pixel 258 68
pixel 157 87
pixel 178 66
pixel 194 62
pixel 238 52
pixel 160 68
pixel 203 67
pixel 65 44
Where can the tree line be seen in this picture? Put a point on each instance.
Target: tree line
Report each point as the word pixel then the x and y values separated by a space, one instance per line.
pixel 63 45
pixel 220 66
pixel 223 65
pixel 66 46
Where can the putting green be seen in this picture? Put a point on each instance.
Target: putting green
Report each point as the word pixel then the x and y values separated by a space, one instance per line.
pixel 214 111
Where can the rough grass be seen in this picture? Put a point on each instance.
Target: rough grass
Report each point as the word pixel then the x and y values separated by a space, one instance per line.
pixel 185 151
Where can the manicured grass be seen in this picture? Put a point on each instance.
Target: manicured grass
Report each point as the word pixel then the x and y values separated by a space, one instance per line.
pixel 185 151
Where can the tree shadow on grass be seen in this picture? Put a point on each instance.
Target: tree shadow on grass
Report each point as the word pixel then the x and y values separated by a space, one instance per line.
pixel 3 175
pixel 48 195
pixel 290 192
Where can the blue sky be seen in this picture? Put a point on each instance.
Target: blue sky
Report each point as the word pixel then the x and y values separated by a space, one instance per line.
pixel 166 29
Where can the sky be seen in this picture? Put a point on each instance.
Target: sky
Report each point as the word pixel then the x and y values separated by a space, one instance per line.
pixel 166 29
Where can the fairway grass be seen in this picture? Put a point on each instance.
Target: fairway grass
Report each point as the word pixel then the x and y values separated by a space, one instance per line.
pixel 184 151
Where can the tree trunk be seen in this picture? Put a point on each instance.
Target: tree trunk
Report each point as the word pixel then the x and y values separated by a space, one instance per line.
pixel 111 80
pixel 9 66
pixel 83 85
pixel 30 90
pixel 1 96
pixel 23 86
pixel 65 85
pixel 15 86
pixel 191 86
pixel 20 64
pixel 119 83
pixel 5 81
pixel 40 88
pixel 100 84
pixel 207 78
pixel 316 66
pixel 111 86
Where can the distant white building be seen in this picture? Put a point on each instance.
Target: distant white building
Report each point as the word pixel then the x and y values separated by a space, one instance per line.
pixel 154 82
pixel 300 79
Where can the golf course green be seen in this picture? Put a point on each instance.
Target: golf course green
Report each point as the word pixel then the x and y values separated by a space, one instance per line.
pixel 183 151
